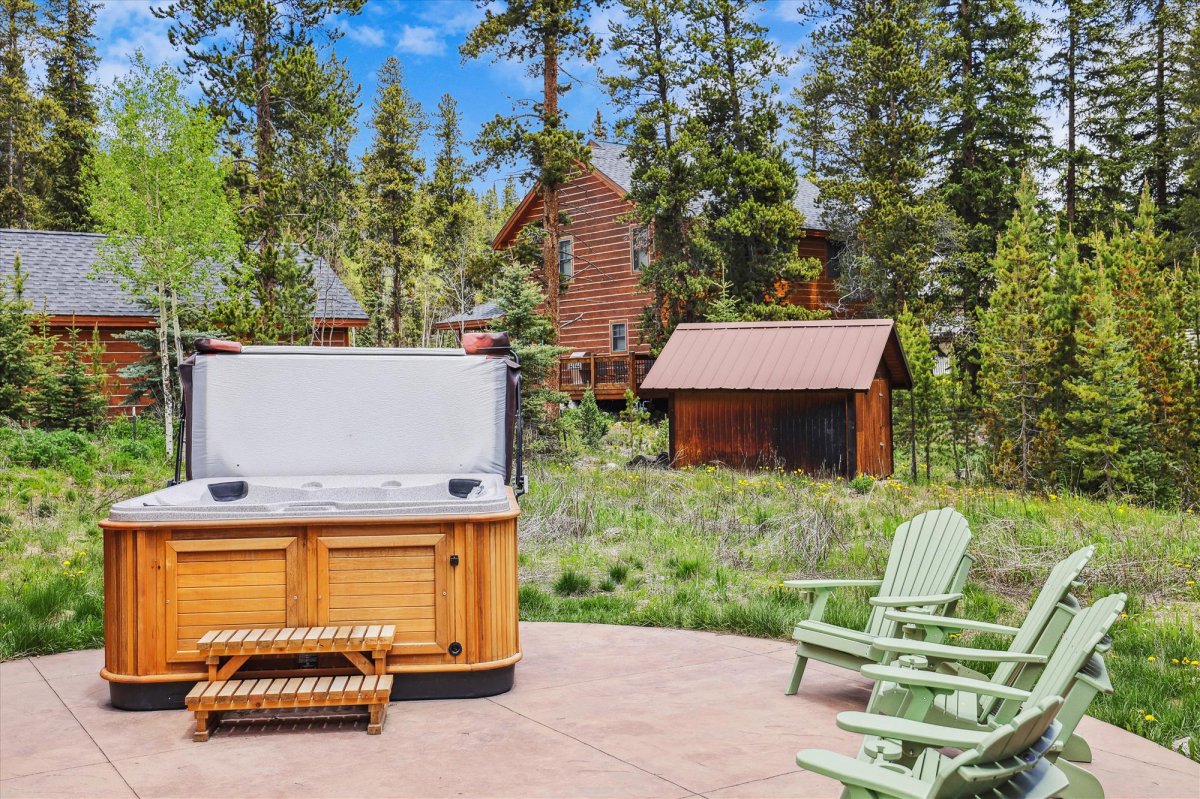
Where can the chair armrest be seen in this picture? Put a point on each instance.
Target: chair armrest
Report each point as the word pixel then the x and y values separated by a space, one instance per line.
pixel 948 622
pixel 917 732
pixel 913 601
pixel 907 646
pixel 865 775
pixel 940 681
pixel 815 585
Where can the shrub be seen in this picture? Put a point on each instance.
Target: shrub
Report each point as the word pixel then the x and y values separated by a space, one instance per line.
pixel 862 484
pixel 572 583
pixel 593 423
pixel 46 449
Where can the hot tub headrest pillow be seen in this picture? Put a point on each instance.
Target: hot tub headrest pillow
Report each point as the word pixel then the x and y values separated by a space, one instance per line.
pixel 318 410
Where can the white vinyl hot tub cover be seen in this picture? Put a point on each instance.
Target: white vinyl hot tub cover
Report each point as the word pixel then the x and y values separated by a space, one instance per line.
pixel 325 410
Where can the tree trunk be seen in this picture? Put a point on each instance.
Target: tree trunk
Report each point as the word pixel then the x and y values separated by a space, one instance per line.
pixel 1161 151
pixel 164 362
pixel 912 432
pixel 1072 52
pixel 550 192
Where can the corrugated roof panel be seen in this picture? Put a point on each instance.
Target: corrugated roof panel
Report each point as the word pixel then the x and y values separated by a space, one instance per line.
pixel 777 356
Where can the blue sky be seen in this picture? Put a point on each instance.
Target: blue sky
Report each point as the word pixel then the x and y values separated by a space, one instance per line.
pixel 424 35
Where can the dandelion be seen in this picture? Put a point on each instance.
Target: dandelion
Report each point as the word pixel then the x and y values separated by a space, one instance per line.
pixel 66 563
pixel 1151 658
pixel 1149 717
pixel 1053 497
pixel 1190 582
pixel 1174 661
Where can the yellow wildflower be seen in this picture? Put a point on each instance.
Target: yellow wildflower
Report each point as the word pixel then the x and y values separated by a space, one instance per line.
pixel 1152 658
pixel 66 563
pixel 1149 717
pixel 1175 661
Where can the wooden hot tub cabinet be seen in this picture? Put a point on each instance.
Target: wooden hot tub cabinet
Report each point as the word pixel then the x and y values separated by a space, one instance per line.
pixel 448 584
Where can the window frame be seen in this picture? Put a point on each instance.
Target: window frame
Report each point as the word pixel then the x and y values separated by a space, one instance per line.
pixel 637 232
pixel 561 241
pixel 612 334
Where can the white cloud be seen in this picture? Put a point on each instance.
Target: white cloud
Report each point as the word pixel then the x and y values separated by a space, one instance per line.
pixel 420 40
pixel 122 28
pixel 365 35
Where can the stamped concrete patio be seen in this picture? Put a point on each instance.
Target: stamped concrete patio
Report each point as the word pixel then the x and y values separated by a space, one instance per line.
pixel 597 711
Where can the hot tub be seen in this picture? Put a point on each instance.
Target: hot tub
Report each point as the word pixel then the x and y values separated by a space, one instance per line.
pixel 327 488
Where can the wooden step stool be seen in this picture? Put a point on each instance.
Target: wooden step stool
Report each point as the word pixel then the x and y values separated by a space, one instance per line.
pixel 365 646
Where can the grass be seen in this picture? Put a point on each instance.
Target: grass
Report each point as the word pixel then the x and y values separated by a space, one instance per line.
pixel 712 546
pixel 701 549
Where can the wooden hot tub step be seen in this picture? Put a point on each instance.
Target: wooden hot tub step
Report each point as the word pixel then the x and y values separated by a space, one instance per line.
pixel 210 698
pixel 297 640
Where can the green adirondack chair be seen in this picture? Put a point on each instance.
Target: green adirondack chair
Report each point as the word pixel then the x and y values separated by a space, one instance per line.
pixel 926 570
pixel 1074 671
pixel 1007 762
pixel 1038 636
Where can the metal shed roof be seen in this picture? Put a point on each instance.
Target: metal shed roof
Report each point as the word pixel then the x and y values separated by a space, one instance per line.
pixel 825 355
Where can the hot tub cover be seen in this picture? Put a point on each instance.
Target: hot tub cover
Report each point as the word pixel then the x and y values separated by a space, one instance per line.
pixel 347 411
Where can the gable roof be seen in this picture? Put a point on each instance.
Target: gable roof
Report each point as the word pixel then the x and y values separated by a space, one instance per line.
pixel 825 355
pixel 57 265
pixel 483 312
pixel 610 159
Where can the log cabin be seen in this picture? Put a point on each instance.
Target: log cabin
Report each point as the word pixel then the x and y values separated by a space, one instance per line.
pixel 59 283
pixel 814 396
pixel 600 257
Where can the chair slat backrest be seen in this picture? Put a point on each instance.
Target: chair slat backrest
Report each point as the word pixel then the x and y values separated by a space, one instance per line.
pixel 1086 631
pixel 927 555
pixel 1043 624
pixel 1004 756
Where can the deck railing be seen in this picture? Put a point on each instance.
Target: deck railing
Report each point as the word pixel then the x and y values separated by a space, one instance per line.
pixel 607 375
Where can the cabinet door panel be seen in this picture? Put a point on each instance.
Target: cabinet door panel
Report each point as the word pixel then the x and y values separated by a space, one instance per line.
pixel 227 583
pixel 387 579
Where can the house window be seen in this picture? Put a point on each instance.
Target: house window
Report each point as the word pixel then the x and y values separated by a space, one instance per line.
pixel 620 337
pixel 639 243
pixel 566 259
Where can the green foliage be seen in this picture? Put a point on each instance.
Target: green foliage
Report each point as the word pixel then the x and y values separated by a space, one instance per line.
pixel 919 411
pixel 1016 344
pixel 593 423
pixel 635 418
pixel 17 365
pixel 572 583
pixel 21 144
pixel 393 234
pixel 69 389
pixel 46 449
pixel 862 484
pixel 618 573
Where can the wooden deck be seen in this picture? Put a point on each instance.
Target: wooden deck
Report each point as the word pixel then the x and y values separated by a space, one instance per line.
pixel 609 376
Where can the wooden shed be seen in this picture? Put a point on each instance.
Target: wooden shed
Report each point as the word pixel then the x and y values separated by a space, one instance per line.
pixel 815 396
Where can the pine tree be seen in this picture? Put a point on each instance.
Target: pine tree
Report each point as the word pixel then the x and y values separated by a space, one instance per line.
pixel 593 424
pixel 288 121
pixel 989 130
pixel 394 236
pixel 69 394
pixel 20 118
pixel 157 191
pixel 1064 318
pixel 1185 217
pixel 875 82
pixel 1184 438
pixel 70 64
pixel 1015 342
pixel 1106 427
pixel 541 34
pixel 599 129
pixel 919 409
pixel 16 359
pixel 752 228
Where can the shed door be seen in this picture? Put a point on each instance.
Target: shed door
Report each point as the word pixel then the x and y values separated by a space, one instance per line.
pixel 228 583
pixel 388 579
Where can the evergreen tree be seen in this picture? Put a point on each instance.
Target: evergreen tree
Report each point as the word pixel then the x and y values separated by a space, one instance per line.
pixel 288 113
pixel 540 34
pixel 876 81
pixel 394 236
pixel 1105 435
pixel 1185 217
pixel 593 424
pixel 599 129
pixel 655 72
pixel 918 410
pixel 989 130
pixel 69 393
pixel 20 117
pixel 752 228
pixel 1064 318
pixel 157 190
pixel 70 64
pixel 16 358
pixel 1184 438
pixel 1016 343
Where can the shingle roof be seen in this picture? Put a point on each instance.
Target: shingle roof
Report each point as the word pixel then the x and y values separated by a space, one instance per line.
pixel 826 355
pixel 57 267
pixel 480 313
pixel 609 158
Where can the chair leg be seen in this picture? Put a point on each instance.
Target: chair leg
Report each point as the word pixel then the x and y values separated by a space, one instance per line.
pixel 1076 750
pixel 1084 784
pixel 797 675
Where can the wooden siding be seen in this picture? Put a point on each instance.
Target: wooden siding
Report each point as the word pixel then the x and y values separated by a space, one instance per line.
pixel 873 427
pixel 166 584
pixel 605 288
pixel 119 353
pixel 808 430
pixel 819 294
